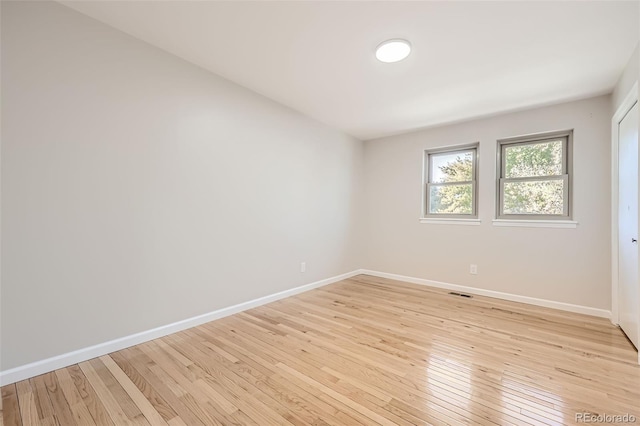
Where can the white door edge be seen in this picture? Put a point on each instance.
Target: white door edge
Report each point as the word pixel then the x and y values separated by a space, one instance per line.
pixel 628 103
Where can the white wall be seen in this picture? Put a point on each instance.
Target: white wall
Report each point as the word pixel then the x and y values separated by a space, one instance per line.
pixel 565 265
pixel 139 190
pixel 627 79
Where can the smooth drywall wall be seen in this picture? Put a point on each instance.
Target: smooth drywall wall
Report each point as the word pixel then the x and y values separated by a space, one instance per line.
pixel 563 265
pixel 627 80
pixel 139 190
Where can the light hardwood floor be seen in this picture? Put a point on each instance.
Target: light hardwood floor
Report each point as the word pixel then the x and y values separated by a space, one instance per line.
pixel 362 351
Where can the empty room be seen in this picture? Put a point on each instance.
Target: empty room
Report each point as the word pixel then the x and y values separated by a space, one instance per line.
pixel 319 212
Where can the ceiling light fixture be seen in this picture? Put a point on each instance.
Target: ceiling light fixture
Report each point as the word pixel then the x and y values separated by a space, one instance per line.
pixel 393 50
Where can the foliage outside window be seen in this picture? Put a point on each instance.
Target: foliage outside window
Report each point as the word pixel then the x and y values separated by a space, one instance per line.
pixel 534 176
pixel 450 182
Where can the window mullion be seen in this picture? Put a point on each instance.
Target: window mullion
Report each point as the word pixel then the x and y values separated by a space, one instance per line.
pixel 535 178
pixel 461 182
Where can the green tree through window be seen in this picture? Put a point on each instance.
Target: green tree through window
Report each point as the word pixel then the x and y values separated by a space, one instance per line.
pixel 539 197
pixel 454 199
pixel 451 182
pixel 534 176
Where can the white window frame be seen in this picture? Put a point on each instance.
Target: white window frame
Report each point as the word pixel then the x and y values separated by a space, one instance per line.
pixel 427 184
pixel 567 175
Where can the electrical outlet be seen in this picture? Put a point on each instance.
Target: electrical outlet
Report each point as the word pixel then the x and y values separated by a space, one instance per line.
pixel 473 269
pixel 303 267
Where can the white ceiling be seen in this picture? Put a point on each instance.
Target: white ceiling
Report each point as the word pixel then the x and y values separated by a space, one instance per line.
pixel 469 58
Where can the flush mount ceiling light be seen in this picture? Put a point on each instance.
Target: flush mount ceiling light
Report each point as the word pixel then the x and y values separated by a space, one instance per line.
pixel 393 50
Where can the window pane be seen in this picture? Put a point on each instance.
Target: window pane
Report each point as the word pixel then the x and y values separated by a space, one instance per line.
pixel 537 197
pixel 451 199
pixel 456 167
pixel 541 159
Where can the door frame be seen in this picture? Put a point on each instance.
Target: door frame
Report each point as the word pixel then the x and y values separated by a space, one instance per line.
pixel 628 103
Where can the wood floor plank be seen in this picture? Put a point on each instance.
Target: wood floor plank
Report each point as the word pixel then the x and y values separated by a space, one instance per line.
pixel 238 391
pixel 111 404
pixel 89 397
pixel 61 409
pixel 328 413
pixel 161 383
pixel 27 403
pixel 79 410
pixel 288 401
pixel 125 402
pixel 44 407
pixel 157 401
pixel 304 356
pixel 362 351
pixel 143 404
pixel 478 420
pixel 10 407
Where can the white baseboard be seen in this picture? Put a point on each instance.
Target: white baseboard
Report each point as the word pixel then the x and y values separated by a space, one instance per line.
pixel 497 294
pixel 60 361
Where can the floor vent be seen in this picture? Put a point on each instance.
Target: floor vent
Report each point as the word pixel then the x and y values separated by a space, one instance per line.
pixel 468 296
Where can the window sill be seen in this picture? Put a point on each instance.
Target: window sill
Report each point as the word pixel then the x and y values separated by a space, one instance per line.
pixel 437 221
pixel 536 223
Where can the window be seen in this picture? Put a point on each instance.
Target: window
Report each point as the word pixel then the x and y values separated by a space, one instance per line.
pixel 450 184
pixel 534 176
